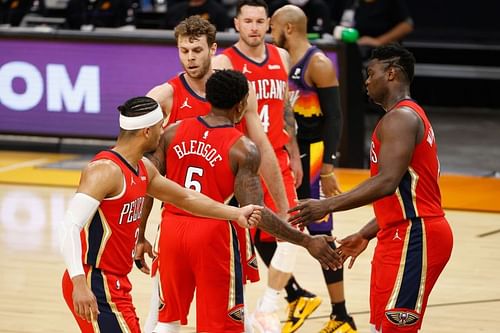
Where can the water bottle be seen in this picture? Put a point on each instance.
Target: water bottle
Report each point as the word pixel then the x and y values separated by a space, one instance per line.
pixel 347 35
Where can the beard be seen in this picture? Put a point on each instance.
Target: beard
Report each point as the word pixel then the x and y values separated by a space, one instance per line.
pixel 200 71
pixel 281 41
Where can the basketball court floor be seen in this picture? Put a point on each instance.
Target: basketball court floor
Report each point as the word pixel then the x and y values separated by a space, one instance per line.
pixel 35 189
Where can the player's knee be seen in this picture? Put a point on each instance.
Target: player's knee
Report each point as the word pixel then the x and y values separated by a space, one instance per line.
pixel 285 257
pixel 332 276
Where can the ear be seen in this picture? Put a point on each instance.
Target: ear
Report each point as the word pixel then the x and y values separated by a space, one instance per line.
pixel 236 23
pixel 213 49
pixel 268 21
pixel 391 73
pixel 289 28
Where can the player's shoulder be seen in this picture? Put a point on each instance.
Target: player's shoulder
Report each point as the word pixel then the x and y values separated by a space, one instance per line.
pixel 221 61
pixel 320 59
pixel 246 152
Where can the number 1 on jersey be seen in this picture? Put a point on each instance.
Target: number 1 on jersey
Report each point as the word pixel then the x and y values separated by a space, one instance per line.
pixel 264 117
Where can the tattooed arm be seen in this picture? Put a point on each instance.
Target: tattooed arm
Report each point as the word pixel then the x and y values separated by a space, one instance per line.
pixel 245 160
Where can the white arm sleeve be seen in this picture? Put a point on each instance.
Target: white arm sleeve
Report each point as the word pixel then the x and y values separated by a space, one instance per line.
pixel 81 208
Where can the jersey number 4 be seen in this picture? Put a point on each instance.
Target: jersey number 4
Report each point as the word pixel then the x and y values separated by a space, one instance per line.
pixel 192 183
pixel 264 117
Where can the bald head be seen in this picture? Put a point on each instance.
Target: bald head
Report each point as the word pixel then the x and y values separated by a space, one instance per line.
pixel 293 15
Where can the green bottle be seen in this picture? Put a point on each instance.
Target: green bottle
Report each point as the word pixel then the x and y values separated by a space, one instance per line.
pixel 347 35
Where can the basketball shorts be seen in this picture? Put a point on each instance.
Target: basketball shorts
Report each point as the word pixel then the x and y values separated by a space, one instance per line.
pixel 116 311
pixel 312 159
pixel 408 259
pixel 201 254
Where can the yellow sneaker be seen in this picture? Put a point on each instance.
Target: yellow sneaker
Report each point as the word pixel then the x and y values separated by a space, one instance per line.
pixel 299 310
pixel 336 326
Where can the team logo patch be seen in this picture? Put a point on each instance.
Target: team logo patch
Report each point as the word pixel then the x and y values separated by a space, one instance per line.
pixel 402 318
pixel 237 313
pixel 252 262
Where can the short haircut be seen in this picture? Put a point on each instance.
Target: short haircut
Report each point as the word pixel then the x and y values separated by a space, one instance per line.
pixel 226 88
pixel 397 56
pixel 254 3
pixel 195 27
pixel 138 106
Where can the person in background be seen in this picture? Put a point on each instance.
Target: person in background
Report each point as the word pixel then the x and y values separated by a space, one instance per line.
pixel 414 239
pixel 379 22
pixel 209 10
pixel 317 11
pixel 314 91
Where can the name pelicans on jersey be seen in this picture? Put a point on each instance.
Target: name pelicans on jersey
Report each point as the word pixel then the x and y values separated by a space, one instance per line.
pixel 417 195
pixel 269 80
pixel 119 217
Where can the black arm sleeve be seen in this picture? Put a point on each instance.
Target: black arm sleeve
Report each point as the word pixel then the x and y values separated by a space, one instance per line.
pixel 329 101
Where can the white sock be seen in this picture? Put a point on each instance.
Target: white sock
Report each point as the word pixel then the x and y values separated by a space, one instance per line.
pixel 269 301
pixel 154 304
pixel 172 327
pixel 248 322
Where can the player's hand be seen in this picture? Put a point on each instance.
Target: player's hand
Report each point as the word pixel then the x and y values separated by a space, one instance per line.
pixel 142 247
pixel 309 210
pixel 351 247
pixel 319 247
pixel 329 184
pixel 84 300
pixel 250 217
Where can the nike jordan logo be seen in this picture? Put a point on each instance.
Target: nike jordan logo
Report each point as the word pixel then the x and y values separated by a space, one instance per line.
pixel 185 104
pixel 245 70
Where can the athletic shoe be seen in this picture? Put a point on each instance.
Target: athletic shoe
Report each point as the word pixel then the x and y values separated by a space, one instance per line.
pixel 299 310
pixel 265 322
pixel 337 326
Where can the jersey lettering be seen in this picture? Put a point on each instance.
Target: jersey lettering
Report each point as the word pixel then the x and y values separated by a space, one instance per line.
pixel 131 211
pixel 194 147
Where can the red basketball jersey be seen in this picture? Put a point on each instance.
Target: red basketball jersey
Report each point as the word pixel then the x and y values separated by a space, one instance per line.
pixel 418 192
pixel 200 156
pixel 108 242
pixel 269 80
pixel 186 103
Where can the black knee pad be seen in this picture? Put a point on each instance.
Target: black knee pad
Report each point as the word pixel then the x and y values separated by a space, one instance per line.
pixel 332 276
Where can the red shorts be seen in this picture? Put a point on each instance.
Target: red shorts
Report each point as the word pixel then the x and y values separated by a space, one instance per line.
pixel 116 311
pixel 247 253
pixel 408 259
pixel 291 193
pixel 202 254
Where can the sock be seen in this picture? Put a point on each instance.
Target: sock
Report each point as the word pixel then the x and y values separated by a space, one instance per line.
pixel 339 311
pixel 269 301
pixel 293 290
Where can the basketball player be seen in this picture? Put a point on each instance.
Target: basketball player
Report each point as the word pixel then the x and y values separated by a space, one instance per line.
pixel 210 155
pixel 183 97
pixel 107 206
pixel 266 67
pixel 414 239
pixel 314 91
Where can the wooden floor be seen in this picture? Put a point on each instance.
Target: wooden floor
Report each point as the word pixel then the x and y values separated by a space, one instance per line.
pixel 465 299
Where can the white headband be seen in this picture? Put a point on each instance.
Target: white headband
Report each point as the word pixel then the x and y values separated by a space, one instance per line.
pixel 146 120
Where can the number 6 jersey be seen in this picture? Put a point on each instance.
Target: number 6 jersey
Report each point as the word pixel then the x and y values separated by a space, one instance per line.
pixel 198 158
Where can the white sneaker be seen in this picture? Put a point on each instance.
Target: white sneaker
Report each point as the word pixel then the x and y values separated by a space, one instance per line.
pixel 265 322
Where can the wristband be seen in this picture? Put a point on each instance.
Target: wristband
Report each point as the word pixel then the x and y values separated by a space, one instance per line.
pixel 326 175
